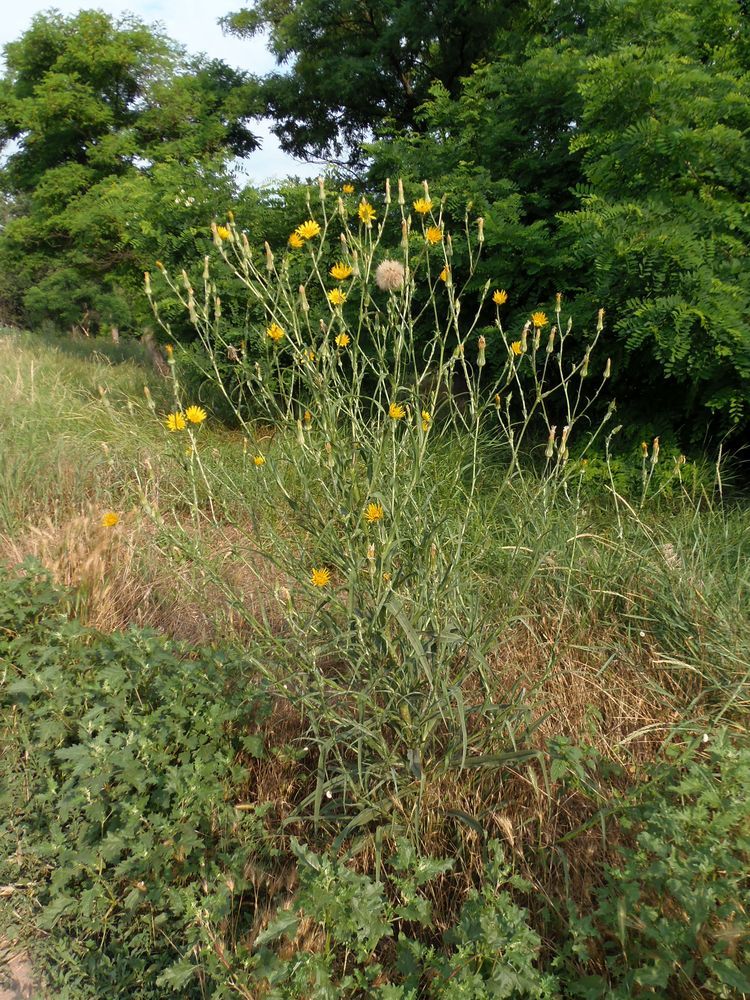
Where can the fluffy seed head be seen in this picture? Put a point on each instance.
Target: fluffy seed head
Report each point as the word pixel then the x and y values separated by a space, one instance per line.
pixel 389 276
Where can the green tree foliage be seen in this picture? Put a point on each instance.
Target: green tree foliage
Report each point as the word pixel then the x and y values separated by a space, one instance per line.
pixel 608 149
pixel 349 65
pixel 121 146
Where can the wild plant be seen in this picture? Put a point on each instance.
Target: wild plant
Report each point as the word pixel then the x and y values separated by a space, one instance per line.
pixel 371 420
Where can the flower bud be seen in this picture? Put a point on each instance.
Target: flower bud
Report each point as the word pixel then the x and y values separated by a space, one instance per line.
pixel 585 365
pixel 550 450
pixel 300 434
pixel 401 199
pixel 269 257
pixel 655 452
pixel 558 301
pixel 387 190
pixel 608 368
pixel 480 356
pixel 644 449
pixel 304 304
pixel 600 321
pixel 480 226
pixel 147 282
pixel 551 341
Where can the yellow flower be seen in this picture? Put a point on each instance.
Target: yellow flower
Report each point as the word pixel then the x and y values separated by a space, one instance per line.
pixel 169 349
pixel 295 241
pixel 426 419
pixel 259 460
pixel 310 355
pixel 159 265
pixel 423 205
pixel 195 414
pixel 275 332
pixel 516 347
pixel 445 273
pixel 539 319
pixel 396 411
pixel 342 340
pixel 222 232
pixel 321 577
pixel 434 235
pixel 175 421
pixel 340 271
pixel 366 213
pixel 308 417
pixel 336 297
pixel 110 519
pixel 499 296
pixel 348 189
pixel 308 230
pixel 387 577
pixel 373 512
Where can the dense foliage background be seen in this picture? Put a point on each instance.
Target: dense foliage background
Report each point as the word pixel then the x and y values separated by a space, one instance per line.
pixel 606 145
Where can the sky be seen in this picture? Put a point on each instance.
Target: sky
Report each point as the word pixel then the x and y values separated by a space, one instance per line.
pixel 193 23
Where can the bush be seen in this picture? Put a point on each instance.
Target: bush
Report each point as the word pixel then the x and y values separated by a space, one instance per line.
pixel 123 769
pixel 672 918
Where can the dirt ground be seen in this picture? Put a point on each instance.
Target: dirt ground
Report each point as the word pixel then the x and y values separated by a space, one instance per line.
pixel 16 977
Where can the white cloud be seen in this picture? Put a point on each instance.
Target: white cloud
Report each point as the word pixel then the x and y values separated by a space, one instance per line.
pixel 195 25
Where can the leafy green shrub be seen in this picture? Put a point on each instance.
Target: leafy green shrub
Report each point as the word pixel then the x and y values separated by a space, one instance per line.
pixel 672 919
pixel 120 782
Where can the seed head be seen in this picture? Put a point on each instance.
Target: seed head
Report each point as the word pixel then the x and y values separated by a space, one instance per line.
pixel 389 276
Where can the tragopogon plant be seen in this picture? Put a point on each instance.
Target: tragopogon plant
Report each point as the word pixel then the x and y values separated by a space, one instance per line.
pixel 368 384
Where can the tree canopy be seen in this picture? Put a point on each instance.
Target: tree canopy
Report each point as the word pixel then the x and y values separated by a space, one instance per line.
pixel 347 65
pixel 116 131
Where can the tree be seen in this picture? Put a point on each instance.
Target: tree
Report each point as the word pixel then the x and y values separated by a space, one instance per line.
pixel 620 136
pixel 350 64
pixel 122 144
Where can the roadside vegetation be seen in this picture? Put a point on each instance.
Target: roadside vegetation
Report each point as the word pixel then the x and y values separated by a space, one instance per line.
pixel 441 701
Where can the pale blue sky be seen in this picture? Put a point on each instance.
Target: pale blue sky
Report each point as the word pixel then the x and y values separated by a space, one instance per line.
pixel 193 23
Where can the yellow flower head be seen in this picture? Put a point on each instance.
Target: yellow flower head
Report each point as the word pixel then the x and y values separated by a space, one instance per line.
pixel 434 235
pixel 169 349
pixel 295 241
pixel 274 332
pixel 340 271
pixel 110 519
pixel 426 419
pixel 159 265
pixel 445 273
pixel 259 460
pixel 342 340
pixel 366 213
pixel 516 347
pixel 175 421
pixel 374 512
pixel 320 577
pixel 195 414
pixel 396 411
pixel 310 354
pixel 308 417
pixel 348 189
pixel 423 205
pixel 222 232
pixel 539 319
pixel 336 297
pixel 308 230
pixel 499 296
